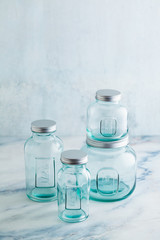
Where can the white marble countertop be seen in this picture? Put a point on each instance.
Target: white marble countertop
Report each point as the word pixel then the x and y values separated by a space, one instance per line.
pixel 137 217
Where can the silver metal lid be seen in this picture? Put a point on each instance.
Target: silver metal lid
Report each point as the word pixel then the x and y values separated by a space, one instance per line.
pixel 43 126
pixel 108 95
pixel 74 157
pixel 110 144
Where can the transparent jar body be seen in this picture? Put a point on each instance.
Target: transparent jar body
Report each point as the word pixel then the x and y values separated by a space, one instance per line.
pixel 42 162
pixel 106 121
pixel 73 193
pixel 113 172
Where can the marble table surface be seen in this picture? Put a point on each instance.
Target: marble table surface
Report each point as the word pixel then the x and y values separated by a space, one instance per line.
pixel 137 217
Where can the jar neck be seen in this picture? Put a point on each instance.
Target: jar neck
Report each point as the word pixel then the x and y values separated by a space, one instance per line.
pixel 42 135
pixel 74 167
pixel 107 102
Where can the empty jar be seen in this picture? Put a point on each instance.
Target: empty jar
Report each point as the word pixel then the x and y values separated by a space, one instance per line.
pixel 112 166
pixel 42 154
pixel 106 118
pixel 73 187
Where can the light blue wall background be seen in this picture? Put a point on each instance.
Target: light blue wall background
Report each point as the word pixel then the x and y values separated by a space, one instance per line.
pixel 54 55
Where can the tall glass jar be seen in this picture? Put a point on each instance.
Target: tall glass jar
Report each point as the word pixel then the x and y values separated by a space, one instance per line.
pixel 113 169
pixel 106 118
pixel 42 153
pixel 73 187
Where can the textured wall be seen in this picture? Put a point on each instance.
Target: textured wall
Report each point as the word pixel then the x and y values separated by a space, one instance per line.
pixel 54 55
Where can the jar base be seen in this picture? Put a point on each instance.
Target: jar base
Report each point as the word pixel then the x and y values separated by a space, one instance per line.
pixel 73 216
pixel 42 194
pixel 123 192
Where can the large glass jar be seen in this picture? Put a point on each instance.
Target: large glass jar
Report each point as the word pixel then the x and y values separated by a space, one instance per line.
pixel 42 154
pixel 113 169
pixel 106 118
pixel 73 187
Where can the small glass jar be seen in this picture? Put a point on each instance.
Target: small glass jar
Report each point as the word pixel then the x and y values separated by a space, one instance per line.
pixel 73 187
pixel 42 153
pixel 113 169
pixel 106 118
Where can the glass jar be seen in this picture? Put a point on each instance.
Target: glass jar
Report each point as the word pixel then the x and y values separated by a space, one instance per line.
pixel 73 187
pixel 42 153
pixel 106 118
pixel 113 169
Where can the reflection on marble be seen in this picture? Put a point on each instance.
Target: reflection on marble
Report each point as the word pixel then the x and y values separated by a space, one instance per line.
pixel 137 217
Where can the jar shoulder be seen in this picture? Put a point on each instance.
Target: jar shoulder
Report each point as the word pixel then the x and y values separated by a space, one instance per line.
pixel 117 152
pixel 58 141
pixel 28 142
pixel 38 143
pixel 95 106
pixel 130 150
pixel 64 175
pixel 60 174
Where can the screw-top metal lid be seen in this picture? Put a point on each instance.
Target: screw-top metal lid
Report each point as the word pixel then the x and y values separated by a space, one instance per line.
pixel 108 95
pixel 110 144
pixel 74 157
pixel 43 126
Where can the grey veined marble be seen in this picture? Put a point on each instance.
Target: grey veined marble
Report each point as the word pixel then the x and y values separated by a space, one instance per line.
pixel 137 217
